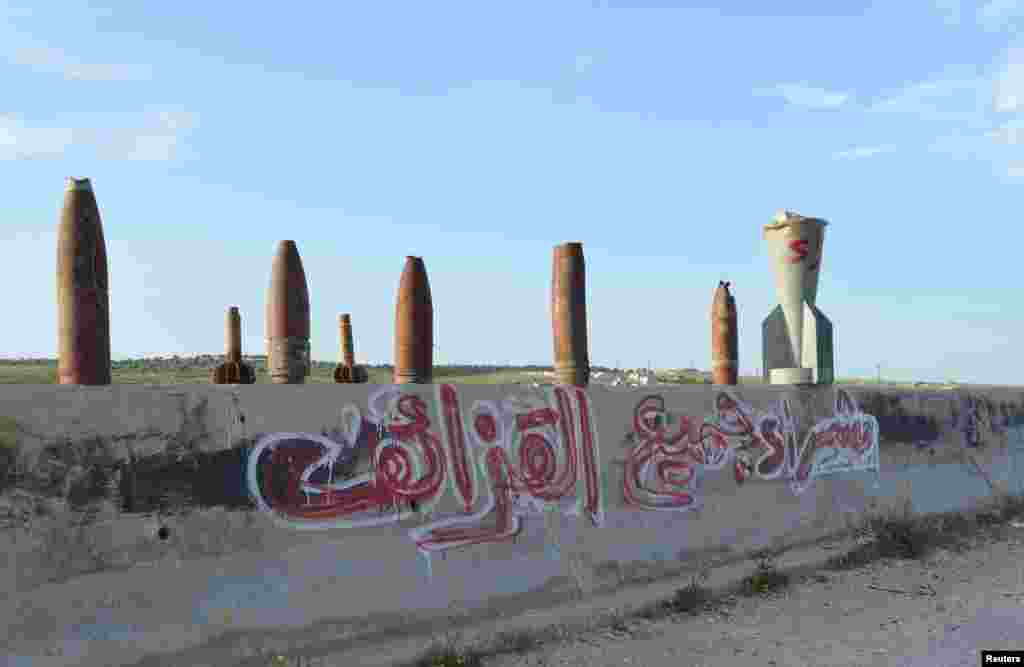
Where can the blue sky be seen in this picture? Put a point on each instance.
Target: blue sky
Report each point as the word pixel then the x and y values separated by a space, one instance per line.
pixel 478 135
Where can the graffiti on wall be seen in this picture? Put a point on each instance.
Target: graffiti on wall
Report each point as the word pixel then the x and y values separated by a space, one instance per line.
pixel 669 453
pixel 923 419
pixel 979 419
pixel 472 475
pixel 528 453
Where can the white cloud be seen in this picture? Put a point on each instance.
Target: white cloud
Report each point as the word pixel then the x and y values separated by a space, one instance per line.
pixel 19 141
pixel 48 59
pixel 966 104
pixel 1016 170
pixel 584 62
pixel 810 97
pixel 1011 134
pixel 1008 90
pixel 992 15
pixel 961 145
pixel 862 152
pixel 961 100
pixel 997 14
pixel 157 136
pixel 950 9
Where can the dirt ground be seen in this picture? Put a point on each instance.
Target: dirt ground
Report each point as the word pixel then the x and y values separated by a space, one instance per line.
pixel 937 612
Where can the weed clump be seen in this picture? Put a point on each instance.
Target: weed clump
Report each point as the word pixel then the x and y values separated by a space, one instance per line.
pixel 447 654
pixel 516 642
pixel 693 597
pixel 904 538
pixel 915 537
pixel 449 658
pixel 766 579
pixel 690 599
pixel 887 538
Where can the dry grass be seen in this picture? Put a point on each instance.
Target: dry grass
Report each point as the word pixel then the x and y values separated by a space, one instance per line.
pixel 46 373
pixel 131 372
pixel 916 537
pixel 447 653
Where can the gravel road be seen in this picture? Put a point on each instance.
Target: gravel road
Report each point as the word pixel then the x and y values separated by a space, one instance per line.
pixel 938 612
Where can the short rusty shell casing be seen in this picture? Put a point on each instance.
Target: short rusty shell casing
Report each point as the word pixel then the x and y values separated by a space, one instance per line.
pixel 350 374
pixel 233 370
pixel 414 326
pixel 288 318
pixel 724 337
pixel 83 296
pixel 569 315
pixel 347 372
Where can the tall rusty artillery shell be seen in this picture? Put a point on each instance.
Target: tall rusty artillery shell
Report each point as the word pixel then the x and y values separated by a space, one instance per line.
pixel 347 372
pixel 83 297
pixel 234 370
pixel 724 337
pixel 288 318
pixel 569 315
pixel 414 326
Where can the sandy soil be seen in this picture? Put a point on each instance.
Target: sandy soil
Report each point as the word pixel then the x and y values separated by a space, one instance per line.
pixel 937 612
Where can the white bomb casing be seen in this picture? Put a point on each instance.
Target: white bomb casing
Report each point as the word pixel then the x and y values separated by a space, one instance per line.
pixel 795 244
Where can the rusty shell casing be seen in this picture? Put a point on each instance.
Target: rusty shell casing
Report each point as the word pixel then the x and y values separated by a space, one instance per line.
pixel 233 336
pixel 83 296
pixel 350 374
pixel 414 326
pixel 724 337
pixel 347 372
pixel 348 354
pixel 287 318
pixel 569 315
pixel 233 370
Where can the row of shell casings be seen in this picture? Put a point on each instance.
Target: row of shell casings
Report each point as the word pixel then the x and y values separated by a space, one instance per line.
pixel 84 313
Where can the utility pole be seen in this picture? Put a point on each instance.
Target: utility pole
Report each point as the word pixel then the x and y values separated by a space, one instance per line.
pixel 878 366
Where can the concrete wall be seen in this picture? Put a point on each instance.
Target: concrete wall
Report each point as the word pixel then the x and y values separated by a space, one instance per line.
pixel 170 525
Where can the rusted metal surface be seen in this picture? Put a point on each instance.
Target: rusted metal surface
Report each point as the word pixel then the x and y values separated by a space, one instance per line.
pixel 347 372
pixel 350 374
pixel 414 326
pixel 288 318
pixel 83 297
pixel 724 337
pixel 233 370
pixel 569 315
pixel 348 354
pixel 233 335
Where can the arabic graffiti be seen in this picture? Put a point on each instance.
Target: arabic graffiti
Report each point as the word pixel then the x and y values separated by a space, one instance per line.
pixel 846 442
pixel 664 465
pixel 525 454
pixel 472 475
